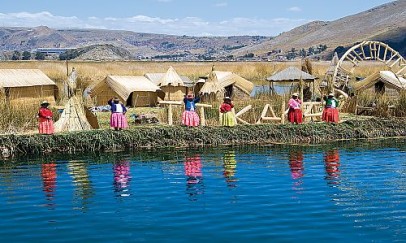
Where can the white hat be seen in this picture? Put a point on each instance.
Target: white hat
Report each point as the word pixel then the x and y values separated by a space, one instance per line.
pixel 331 94
pixel 44 102
pixel 295 94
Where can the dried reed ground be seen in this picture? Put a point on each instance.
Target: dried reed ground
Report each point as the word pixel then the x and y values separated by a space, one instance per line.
pixel 23 119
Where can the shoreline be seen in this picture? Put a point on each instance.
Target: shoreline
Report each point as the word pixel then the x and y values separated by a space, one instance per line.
pixel 150 137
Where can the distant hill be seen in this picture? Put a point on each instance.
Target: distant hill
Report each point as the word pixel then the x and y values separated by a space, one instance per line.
pixel 139 45
pixel 386 23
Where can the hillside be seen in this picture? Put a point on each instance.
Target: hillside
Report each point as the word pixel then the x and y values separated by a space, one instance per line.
pixel 139 45
pixel 385 22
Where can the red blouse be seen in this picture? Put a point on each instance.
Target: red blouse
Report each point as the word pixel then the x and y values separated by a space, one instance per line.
pixel 44 113
pixel 225 107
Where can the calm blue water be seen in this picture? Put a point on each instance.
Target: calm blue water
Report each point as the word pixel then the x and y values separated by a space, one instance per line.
pixel 274 194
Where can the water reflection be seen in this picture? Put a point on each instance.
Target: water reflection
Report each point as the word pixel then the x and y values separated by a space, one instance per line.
pixel 194 176
pixel 332 166
pixel 296 169
pixel 81 180
pixel 296 164
pixel 122 178
pixel 230 165
pixel 48 175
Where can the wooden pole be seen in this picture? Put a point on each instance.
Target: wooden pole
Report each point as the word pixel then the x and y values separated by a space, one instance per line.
pixel 202 117
pixel 283 110
pixel 67 67
pixel 170 121
pixel 301 83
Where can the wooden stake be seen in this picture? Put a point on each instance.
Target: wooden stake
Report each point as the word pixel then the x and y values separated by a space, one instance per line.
pixel 170 121
pixel 202 117
pixel 283 110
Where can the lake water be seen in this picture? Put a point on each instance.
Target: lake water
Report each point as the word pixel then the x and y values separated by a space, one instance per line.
pixel 275 193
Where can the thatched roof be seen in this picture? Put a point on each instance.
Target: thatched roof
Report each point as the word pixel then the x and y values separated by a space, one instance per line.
pixel 228 78
pixel 123 86
pixel 212 85
pixel 10 78
pixel 291 74
pixel 390 79
pixel 171 78
pixel 156 77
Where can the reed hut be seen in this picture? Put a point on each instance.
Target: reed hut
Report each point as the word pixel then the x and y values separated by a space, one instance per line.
pixel 212 89
pixel 26 86
pixel 174 86
pixel 131 90
pixel 233 85
pixel 381 82
pixel 290 77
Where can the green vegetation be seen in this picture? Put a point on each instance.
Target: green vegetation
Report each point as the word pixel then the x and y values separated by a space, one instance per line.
pixel 176 136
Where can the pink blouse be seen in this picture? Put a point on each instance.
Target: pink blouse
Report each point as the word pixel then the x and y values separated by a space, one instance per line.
pixel 294 103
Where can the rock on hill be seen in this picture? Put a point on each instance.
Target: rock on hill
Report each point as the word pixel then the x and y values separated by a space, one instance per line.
pixel 385 22
pixel 103 52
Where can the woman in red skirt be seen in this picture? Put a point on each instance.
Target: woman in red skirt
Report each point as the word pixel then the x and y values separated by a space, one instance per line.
pixel 295 112
pixel 330 111
pixel 46 124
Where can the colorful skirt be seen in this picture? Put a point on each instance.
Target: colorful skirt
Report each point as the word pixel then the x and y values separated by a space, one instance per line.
pixel 295 116
pixel 118 120
pixel 190 119
pixel 46 126
pixel 330 115
pixel 227 119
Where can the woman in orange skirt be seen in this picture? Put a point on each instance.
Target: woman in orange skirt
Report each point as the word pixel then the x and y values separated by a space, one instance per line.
pixel 46 124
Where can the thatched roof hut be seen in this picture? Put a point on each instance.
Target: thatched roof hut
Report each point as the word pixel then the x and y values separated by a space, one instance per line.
pixel 28 86
pixel 171 78
pixel 234 85
pixel 212 89
pixel 291 74
pixel 383 81
pixel 156 77
pixel 131 90
pixel 292 78
pixel 171 83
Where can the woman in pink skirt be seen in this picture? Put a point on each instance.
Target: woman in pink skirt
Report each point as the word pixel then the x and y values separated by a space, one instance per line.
pixel 117 119
pixel 189 116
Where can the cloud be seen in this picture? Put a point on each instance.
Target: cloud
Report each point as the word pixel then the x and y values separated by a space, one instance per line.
pixel 219 5
pixel 294 9
pixel 191 26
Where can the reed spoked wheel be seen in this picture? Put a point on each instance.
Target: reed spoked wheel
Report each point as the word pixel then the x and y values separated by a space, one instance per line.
pixel 367 51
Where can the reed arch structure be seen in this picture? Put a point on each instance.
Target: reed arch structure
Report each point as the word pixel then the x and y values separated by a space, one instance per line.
pixel 367 51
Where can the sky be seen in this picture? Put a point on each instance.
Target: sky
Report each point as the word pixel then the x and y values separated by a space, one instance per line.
pixel 179 17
